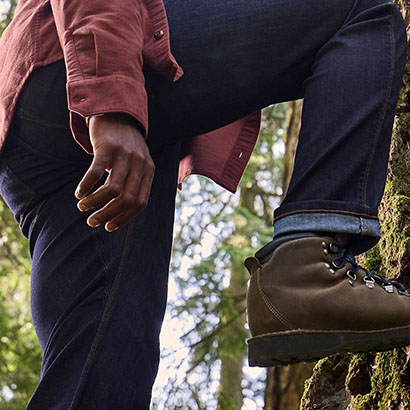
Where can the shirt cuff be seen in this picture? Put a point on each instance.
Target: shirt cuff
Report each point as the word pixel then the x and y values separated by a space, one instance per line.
pixel 104 95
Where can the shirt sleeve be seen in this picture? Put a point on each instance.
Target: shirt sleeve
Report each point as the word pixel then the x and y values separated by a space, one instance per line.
pixel 102 42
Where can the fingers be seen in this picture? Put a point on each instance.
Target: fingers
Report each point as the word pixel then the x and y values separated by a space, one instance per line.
pixel 122 197
pixel 138 205
pixel 111 189
pixel 120 148
pixel 100 163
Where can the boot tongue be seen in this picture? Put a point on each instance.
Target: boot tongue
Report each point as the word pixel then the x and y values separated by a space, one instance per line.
pixel 341 238
pixel 264 254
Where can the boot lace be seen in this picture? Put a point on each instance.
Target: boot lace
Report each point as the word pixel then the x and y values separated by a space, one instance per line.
pixel 345 255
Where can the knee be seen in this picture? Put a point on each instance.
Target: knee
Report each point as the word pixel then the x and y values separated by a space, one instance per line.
pixel 378 7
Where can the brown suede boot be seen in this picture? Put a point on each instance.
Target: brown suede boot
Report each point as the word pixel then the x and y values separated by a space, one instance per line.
pixel 311 299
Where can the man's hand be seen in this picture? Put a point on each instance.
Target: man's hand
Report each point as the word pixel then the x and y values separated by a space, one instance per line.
pixel 120 149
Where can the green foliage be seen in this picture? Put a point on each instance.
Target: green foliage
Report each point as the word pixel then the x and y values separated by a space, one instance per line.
pixel 20 353
pixel 10 6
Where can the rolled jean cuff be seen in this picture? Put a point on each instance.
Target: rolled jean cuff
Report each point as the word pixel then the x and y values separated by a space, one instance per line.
pixel 365 231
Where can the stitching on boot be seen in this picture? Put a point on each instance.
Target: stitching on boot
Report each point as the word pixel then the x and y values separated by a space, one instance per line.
pixel 268 303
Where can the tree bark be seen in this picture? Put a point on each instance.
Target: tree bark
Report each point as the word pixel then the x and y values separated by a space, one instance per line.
pixel 293 123
pixel 377 381
pixel 230 395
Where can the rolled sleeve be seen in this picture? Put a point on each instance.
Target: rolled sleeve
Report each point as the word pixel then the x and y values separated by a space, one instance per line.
pixel 102 44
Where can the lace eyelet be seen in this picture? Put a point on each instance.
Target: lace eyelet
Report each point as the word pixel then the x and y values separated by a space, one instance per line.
pixel 404 292
pixel 351 277
pixel 335 265
pixel 326 252
pixel 331 270
pixel 333 245
pixel 369 282
pixel 324 245
pixel 388 288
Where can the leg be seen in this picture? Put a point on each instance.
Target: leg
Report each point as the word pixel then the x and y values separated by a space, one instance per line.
pixel 104 291
pixel 97 299
pixel 238 57
pixel 346 58
pixel 341 161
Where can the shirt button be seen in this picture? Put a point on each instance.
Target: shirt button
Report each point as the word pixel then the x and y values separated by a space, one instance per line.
pixel 159 34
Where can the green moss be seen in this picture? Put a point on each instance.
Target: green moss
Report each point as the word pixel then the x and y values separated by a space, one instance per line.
pixel 355 363
pixel 392 258
pixel 403 119
pixel 326 376
pixel 395 244
pixel 388 374
pixel 373 261
pixel 388 390
pixel 361 402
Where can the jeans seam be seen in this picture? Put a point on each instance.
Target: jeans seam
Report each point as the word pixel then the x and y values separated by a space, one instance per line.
pixel 22 113
pixel 26 116
pixel 16 179
pixel 382 115
pixel 36 214
pixel 33 225
pixel 366 225
pixel 47 156
pixel 25 93
pixel 24 186
pixel 106 315
pixel 57 324
pixel 104 262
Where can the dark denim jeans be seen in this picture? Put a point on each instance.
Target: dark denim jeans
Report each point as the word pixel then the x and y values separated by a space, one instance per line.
pixel 98 298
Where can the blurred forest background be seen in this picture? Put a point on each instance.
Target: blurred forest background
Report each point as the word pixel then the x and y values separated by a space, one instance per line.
pixel 204 363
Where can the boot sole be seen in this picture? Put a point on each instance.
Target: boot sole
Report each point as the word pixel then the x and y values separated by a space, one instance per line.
pixel 294 346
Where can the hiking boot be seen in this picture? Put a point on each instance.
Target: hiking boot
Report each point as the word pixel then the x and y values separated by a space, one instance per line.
pixel 311 299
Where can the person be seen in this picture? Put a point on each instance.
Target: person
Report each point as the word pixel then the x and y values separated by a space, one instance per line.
pixel 100 225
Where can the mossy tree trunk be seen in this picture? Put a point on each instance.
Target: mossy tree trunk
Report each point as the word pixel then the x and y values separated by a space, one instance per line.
pixel 377 381
pixel 293 123
pixel 230 395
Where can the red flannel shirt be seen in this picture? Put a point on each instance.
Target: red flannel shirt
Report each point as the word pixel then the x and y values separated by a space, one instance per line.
pixel 103 58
